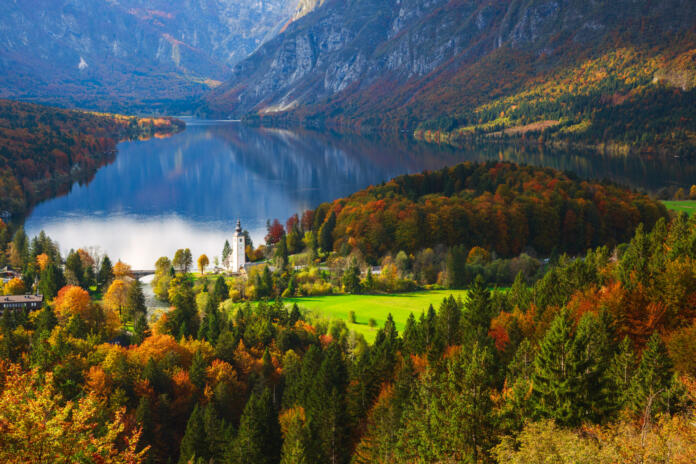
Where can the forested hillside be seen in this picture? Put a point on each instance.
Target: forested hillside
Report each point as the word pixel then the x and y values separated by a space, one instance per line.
pixel 502 207
pixel 585 74
pixel 43 150
pixel 591 363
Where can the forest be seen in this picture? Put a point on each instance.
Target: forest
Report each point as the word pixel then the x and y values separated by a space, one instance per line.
pixel 590 362
pixel 502 207
pixel 44 150
pixel 592 351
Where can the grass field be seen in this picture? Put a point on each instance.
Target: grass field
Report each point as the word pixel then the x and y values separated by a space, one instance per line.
pixel 375 307
pixel 687 206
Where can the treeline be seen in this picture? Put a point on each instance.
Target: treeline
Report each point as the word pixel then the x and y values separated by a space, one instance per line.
pixel 502 207
pixel 596 357
pixel 43 150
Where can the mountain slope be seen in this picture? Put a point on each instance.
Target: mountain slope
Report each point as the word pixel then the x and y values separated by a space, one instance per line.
pixel 380 63
pixel 116 54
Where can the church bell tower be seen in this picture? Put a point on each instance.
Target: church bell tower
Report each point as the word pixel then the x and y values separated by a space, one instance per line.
pixel 238 249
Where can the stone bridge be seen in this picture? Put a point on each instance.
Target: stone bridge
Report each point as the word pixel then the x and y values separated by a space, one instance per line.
pixel 139 274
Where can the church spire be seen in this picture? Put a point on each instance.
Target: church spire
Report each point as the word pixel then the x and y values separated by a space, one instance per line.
pixel 239 227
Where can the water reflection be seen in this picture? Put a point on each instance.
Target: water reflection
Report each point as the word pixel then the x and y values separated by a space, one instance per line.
pixel 188 190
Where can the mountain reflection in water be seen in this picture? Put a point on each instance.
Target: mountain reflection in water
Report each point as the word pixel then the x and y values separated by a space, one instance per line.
pixel 188 190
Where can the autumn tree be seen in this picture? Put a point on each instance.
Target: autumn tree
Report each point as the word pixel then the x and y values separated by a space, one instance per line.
pixel 203 263
pixel 38 426
pixel 116 297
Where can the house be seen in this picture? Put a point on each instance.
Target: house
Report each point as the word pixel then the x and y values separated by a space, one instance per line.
pixel 15 302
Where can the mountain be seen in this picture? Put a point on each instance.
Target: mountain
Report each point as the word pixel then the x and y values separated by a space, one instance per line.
pixel 459 67
pixel 128 54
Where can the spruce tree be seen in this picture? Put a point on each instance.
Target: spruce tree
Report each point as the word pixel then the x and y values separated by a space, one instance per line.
pixel 652 379
pixel 220 291
pixel 621 371
pixel 297 446
pixel 135 300
pixel 193 445
pixel 197 373
pixel 557 388
pixel 449 320
pixel 477 315
pixel 258 437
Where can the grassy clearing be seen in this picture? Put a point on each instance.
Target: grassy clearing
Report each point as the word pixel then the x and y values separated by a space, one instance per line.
pixel 376 307
pixel 686 206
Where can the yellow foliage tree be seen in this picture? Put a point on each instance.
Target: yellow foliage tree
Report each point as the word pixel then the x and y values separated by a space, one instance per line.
pixel 14 287
pixel 73 300
pixel 122 270
pixel 42 261
pixel 36 426
pixel 203 262
pixel 116 296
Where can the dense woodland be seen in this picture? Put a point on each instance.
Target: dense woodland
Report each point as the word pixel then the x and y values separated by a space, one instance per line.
pixel 43 150
pixel 594 351
pixel 502 207
pixel 596 357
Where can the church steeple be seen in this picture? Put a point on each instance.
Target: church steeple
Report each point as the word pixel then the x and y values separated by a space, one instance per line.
pixel 238 250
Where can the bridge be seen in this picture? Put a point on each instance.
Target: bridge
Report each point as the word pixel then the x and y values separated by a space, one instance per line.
pixel 139 274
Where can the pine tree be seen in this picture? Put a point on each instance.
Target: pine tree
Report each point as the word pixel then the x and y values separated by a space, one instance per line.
pixel 621 371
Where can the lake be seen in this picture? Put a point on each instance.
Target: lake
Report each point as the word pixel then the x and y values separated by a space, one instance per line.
pixel 188 190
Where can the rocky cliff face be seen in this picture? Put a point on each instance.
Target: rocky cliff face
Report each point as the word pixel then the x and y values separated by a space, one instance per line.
pixel 356 58
pixel 113 54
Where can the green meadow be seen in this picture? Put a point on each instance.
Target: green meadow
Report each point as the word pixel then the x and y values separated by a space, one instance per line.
pixel 686 206
pixel 376 307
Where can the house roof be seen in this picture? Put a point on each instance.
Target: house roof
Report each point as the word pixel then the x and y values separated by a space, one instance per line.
pixel 21 299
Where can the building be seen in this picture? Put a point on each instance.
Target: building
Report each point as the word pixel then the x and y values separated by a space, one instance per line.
pixel 238 249
pixel 15 302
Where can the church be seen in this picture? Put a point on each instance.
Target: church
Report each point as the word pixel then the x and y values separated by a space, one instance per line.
pixel 238 249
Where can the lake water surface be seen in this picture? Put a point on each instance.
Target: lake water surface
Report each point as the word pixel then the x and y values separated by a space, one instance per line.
pixel 189 190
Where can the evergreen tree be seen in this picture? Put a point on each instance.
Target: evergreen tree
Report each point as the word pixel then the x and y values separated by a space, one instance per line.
pixel 105 274
pixel 297 446
pixel 326 233
pixel 258 437
pixel 220 291
pixel 448 322
pixel 652 379
pixel 135 301
pixel 557 388
pixel 197 373
pixel 351 278
pixel 144 418
pixel 621 371
pixel 281 252
pixel 51 281
pixel 295 315
pixel 477 314
pixel 73 263
pixel 193 445
pixel 140 329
